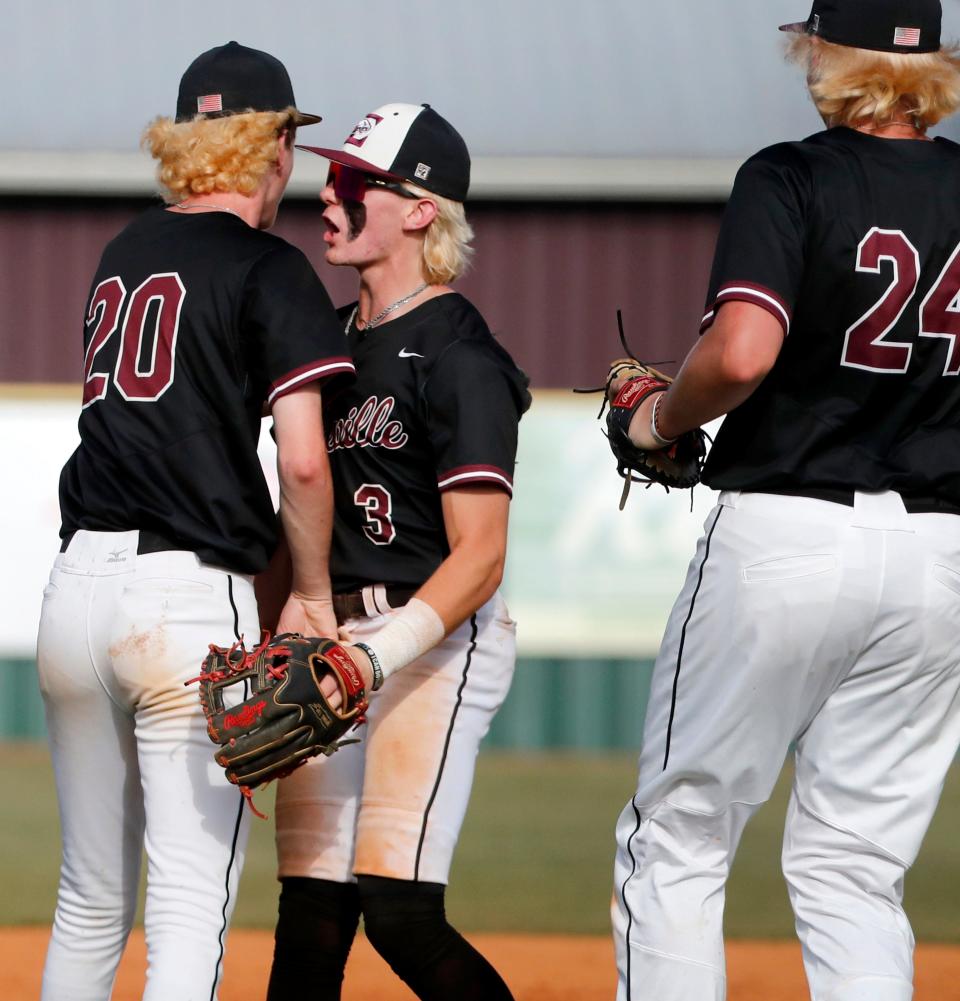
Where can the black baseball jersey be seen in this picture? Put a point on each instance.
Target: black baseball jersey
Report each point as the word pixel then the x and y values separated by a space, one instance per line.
pixel 195 326
pixel 853 243
pixel 435 406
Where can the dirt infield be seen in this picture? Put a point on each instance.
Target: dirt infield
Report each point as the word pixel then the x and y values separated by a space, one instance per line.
pixel 537 968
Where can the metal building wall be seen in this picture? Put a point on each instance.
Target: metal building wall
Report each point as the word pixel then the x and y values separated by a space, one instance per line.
pixel 548 277
pixel 544 78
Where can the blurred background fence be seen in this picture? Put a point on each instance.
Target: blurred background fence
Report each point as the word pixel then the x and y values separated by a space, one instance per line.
pixel 605 140
pixel 554 704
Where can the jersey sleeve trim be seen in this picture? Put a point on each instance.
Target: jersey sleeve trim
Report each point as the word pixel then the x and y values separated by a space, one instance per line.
pixel 749 292
pixel 463 475
pixel 308 373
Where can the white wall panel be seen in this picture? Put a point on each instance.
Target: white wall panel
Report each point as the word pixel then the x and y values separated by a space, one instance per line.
pixel 582 578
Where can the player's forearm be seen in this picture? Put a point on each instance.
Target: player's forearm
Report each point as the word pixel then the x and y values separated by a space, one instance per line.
pixel 475 519
pixel 306 492
pixel 703 395
pixel 272 586
pixel 721 371
pixel 466 580
pixel 306 512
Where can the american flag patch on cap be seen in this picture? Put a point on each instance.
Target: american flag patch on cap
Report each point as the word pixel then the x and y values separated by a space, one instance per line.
pixel 907 36
pixel 214 102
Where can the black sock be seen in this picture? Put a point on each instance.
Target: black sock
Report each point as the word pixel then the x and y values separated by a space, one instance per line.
pixel 406 923
pixel 315 928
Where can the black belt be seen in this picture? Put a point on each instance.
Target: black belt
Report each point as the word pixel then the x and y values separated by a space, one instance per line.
pixel 352 606
pixel 839 495
pixel 149 542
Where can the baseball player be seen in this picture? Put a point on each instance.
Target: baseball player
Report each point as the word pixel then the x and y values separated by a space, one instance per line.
pixel 822 607
pixel 422 451
pixel 197 321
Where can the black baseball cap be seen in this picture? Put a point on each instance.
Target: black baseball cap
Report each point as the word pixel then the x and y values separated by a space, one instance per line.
pixel 905 26
pixel 407 142
pixel 232 79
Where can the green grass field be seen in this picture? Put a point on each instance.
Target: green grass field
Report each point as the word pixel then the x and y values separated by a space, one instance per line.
pixel 535 855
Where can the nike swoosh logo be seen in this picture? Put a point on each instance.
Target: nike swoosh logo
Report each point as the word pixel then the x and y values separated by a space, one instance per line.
pixel 404 353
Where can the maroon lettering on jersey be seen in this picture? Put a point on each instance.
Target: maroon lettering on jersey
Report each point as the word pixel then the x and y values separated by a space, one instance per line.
pixel 866 344
pixel 377 505
pixel 940 312
pixel 104 311
pixel 148 383
pixel 368 426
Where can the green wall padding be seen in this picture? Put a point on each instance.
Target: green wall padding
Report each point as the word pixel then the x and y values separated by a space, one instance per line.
pixel 576 704
pixel 553 704
pixel 21 712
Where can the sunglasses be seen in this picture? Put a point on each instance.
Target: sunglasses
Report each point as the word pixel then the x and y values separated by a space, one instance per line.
pixel 350 184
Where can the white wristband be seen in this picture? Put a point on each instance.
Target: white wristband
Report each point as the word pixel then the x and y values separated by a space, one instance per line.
pixel 654 430
pixel 409 634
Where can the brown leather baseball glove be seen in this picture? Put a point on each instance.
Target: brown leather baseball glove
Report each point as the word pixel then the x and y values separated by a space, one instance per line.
pixel 284 718
pixel 677 464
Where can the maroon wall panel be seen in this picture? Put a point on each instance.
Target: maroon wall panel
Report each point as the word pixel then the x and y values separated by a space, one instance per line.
pixel 548 277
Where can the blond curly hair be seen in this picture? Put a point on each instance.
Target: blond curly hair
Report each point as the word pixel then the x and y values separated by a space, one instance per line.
pixel 204 155
pixel 853 86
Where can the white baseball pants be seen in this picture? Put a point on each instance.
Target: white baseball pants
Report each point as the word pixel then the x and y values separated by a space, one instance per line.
pixel 393 804
pixel 120 633
pixel 800 621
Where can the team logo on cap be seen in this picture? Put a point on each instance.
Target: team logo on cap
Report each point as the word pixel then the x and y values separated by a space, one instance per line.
pixel 362 129
pixel 422 171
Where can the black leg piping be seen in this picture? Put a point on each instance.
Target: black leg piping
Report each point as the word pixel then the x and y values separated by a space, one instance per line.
pixel 446 743
pixel 233 605
pixel 683 637
pixel 226 899
pixel 623 896
pixel 236 826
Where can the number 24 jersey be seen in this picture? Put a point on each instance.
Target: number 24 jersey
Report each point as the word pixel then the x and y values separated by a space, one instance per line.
pixel 852 242
pixel 435 406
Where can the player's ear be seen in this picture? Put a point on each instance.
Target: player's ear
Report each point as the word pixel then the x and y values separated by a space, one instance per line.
pixel 284 150
pixel 420 214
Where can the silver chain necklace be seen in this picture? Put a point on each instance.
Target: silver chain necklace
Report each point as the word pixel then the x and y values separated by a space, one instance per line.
pixel 384 312
pixel 215 208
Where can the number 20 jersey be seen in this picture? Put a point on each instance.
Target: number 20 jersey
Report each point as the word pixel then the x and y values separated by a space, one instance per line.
pixel 435 406
pixel 852 243
pixel 195 326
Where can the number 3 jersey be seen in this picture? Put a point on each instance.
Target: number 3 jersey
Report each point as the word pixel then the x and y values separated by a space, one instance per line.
pixel 195 326
pixel 852 243
pixel 435 406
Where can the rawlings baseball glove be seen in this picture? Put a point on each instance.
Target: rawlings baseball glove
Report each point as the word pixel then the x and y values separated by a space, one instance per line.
pixel 676 464
pixel 285 718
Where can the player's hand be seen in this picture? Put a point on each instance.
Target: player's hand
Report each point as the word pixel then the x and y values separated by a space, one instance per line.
pixel 309 616
pixel 331 691
pixel 615 385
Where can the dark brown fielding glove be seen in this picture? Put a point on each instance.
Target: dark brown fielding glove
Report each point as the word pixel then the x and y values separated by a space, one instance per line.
pixel 676 465
pixel 285 718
